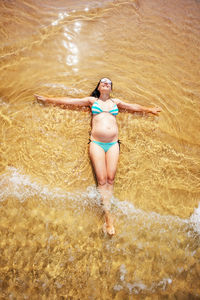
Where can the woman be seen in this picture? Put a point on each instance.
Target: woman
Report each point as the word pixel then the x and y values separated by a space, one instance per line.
pixel 104 143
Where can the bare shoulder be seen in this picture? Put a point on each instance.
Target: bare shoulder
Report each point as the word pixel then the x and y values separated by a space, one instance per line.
pixel 90 99
pixel 117 101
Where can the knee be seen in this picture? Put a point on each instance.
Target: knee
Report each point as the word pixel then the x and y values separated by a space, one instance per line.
pixel 102 181
pixel 110 180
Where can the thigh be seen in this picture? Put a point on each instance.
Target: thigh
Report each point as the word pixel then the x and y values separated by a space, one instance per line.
pixel 97 156
pixel 112 156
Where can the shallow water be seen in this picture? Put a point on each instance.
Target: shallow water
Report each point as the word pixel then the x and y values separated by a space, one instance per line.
pixel 52 245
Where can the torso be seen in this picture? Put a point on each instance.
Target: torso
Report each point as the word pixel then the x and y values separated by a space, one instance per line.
pixel 104 125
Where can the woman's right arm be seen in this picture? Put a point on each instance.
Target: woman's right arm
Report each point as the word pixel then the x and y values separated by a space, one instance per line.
pixel 87 101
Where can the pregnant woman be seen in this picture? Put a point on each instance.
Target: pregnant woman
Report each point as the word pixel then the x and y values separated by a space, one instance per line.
pixel 104 143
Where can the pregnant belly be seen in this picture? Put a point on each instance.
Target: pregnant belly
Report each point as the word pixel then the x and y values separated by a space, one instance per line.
pixel 105 133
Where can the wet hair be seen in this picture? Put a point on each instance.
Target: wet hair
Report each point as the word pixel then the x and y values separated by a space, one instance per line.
pixel 96 92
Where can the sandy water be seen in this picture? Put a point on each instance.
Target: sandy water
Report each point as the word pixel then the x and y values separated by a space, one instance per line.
pixel 52 245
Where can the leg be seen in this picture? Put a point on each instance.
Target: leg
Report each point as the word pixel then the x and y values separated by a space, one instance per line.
pixel 112 156
pixel 98 158
pixel 97 155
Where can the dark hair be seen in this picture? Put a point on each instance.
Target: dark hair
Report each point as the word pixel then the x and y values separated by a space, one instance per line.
pixel 96 92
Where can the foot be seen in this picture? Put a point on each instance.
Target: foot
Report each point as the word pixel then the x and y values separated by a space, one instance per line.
pixel 108 226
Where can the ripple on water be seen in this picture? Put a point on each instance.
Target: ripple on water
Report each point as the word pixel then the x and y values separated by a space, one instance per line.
pixel 148 252
pixel 52 245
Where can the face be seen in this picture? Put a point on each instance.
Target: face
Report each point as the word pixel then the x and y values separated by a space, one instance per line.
pixel 105 85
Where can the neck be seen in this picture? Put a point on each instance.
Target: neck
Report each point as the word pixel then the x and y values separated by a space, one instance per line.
pixel 104 97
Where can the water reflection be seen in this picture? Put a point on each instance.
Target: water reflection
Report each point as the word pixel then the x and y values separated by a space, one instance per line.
pixel 52 245
pixel 77 26
pixel 61 17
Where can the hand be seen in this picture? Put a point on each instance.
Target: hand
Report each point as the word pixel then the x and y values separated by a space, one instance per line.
pixel 156 110
pixel 40 99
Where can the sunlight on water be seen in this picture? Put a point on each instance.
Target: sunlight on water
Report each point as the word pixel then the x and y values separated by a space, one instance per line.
pixel 52 243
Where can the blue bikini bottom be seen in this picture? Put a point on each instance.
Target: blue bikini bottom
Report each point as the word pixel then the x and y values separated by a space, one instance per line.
pixel 105 146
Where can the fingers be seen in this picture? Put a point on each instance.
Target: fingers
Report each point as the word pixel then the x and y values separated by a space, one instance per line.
pixel 39 98
pixel 157 110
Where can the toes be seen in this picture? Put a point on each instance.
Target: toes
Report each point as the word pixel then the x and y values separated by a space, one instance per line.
pixel 111 231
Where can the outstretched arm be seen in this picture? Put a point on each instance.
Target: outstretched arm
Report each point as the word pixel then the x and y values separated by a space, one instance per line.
pixel 137 108
pixel 87 101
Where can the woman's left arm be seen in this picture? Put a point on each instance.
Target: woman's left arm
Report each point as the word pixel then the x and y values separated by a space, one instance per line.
pixel 137 108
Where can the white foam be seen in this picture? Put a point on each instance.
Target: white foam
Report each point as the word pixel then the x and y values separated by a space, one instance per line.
pixel 161 284
pixel 195 219
pixel 118 287
pixel 123 272
pixel 130 211
pixel 14 183
pixel 138 286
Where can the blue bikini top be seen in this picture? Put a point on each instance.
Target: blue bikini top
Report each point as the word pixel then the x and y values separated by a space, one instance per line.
pixel 96 109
